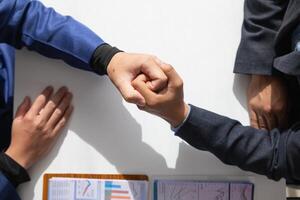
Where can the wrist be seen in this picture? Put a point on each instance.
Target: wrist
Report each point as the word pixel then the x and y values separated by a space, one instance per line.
pixel 115 61
pixel 179 116
pixel 17 158
pixel 102 57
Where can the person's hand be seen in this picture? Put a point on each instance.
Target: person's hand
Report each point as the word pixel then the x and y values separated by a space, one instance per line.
pixel 125 67
pixel 267 102
pixel 167 103
pixel 36 127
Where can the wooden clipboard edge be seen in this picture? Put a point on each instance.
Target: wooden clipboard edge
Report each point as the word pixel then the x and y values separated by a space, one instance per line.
pixel 90 176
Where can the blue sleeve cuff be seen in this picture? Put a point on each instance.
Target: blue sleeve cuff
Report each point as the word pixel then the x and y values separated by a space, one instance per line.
pixel 175 129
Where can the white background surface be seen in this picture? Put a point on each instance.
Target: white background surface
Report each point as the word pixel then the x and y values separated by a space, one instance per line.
pixel 107 135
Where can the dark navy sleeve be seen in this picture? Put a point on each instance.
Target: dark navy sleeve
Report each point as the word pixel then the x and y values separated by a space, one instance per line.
pixel 7 190
pixel 271 153
pixel 29 23
pixel 262 20
pixel 14 172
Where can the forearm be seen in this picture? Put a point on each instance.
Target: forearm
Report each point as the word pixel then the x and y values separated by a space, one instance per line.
pixel 250 149
pixel 31 24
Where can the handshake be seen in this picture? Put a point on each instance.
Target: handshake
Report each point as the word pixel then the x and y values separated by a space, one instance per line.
pixel 168 102
pixel 151 84
pixel 144 80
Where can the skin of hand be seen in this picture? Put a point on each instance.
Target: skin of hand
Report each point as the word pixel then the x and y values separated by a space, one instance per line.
pixel 36 127
pixel 125 67
pixel 167 103
pixel 267 102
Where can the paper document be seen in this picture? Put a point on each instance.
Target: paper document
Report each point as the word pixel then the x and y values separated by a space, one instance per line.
pixel 96 189
pixel 197 190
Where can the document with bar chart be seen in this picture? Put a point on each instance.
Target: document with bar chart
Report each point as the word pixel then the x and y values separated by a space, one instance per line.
pixel 96 189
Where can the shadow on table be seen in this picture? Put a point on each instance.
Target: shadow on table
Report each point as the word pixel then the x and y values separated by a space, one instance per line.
pixel 239 88
pixel 105 124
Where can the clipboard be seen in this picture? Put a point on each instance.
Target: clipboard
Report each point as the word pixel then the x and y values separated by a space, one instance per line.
pixel 48 176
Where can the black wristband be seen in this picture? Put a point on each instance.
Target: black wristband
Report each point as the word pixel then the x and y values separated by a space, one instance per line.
pixel 15 173
pixel 102 57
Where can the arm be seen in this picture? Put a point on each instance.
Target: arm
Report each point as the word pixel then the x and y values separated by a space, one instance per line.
pixel 267 97
pixel 271 153
pixel 30 23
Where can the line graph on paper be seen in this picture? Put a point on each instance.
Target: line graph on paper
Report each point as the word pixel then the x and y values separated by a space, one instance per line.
pixel 192 191
pixel 86 189
pixel 195 190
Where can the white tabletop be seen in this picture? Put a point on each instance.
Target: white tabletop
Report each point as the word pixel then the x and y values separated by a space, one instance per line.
pixel 107 135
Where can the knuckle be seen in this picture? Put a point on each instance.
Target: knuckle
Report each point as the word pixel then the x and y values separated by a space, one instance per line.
pixel 28 119
pixel 169 67
pixel 51 105
pixel 62 122
pixel 179 83
pixel 58 112
pixel 46 131
pixel 38 125
pixel 267 109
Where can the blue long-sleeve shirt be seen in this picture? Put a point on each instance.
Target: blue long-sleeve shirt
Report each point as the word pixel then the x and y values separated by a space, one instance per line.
pixel 30 24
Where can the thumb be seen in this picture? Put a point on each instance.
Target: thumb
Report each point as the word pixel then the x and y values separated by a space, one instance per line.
pixel 173 78
pixel 23 107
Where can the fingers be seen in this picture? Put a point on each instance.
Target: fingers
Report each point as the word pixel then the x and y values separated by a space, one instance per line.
pixel 140 84
pixel 60 110
pixel 62 122
pixel 130 94
pixel 23 107
pixel 271 121
pixel 253 119
pixel 152 69
pixel 40 102
pixel 53 103
pixel 261 121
